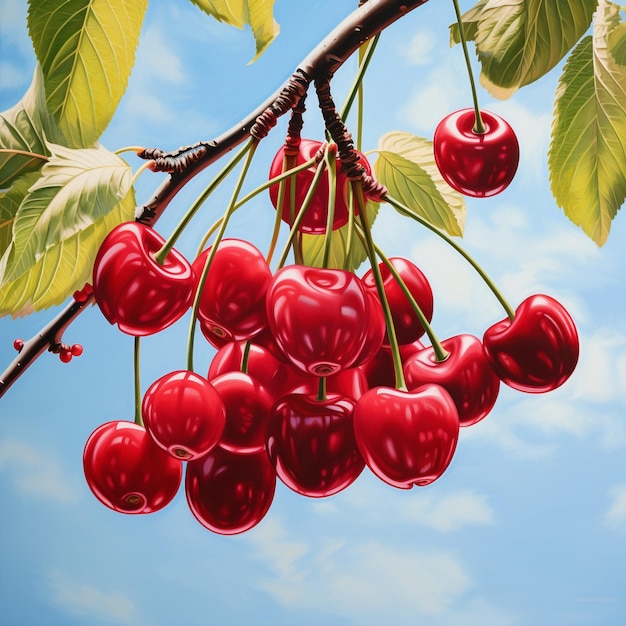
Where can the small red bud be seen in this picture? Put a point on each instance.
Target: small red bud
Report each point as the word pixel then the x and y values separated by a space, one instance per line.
pixel 77 349
pixel 18 344
pixel 65 356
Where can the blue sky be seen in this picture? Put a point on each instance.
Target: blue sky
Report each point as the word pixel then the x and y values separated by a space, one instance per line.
pixel 527 526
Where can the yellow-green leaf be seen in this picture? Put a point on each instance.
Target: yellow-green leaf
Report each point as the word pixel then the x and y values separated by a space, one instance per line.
pixel 24 129
pixel 258 14
pixel 61 269
pixel 406 167
pixel 313 246
pixel 617 43
pixel 76 189
pixel 518 41
pixel 587 157
pixel 86 49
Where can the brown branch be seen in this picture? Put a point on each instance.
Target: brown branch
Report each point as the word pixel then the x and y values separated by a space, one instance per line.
pixel 369 19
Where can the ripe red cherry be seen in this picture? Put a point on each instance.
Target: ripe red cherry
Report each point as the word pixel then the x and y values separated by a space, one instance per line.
pixel 537 351
pixel 466 375
pixel 230 493
pixel 407 438
pixel 248 406
pixel 406 323
pixel 379 370
pixel 132 289
pixel 127 471
pixel 311 444
pixel 476 164
pixel 314 221
pixel 232 305
pixel 376 329
pixel 318 317
pixel 184 414
pixel 351 383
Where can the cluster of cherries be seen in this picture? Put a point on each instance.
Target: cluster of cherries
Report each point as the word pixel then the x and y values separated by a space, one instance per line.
pixel 304 385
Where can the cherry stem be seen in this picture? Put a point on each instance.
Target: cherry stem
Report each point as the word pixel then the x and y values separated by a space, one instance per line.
pixel 220 234
pixel 135 149
pixel 161 255
pixel 440 353
pixel 244 357
pixel 140 170
pixel 496 292
pixel 355 89
pixel 321 389
pixel 305 205
pixel 330 159
pixel 136 352
pixel 350 233
pixel 370 247
pixel 479 126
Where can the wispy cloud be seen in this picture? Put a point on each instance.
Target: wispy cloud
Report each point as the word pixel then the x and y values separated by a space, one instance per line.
pixel 35 472
pixel 419 50
pixel 616 513
pixel 85 600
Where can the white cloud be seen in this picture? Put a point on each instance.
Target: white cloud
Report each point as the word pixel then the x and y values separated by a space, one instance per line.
pixel 88 601
pixel 616 514
pixel 35 473
pixel 418 50
pixel 157 60
pixel 449 512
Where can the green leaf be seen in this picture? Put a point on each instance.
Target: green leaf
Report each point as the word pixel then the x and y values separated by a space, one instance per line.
pixel 406 166
pixel 86 49
pixel 617 43
pixel 259 14
pixel 587 156
pixel 519 41
pixel 76 189
pixel 25 127
pixel 313 245
pixel 62 269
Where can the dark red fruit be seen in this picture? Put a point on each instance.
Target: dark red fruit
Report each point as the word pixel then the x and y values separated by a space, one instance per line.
pixel 127 471
pixel 476 164
pixel 537 351
pixel 379 370
pixel 407 438
pixel 314 221
pixel 319 317
pixel 465 374
pixel 132 289
pixel 230 493
pixel 184 414
pixel 232 305
pixel 311 444
pixel 406 322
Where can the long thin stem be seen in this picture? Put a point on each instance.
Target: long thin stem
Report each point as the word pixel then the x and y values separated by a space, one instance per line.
pixel 496 292
pixel 137 382
pixel 220 234
pixel 380 286
pixel 331 166
pixel 358 79
pixel 479 126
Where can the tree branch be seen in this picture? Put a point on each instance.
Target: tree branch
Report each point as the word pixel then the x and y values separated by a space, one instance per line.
pixel 369 19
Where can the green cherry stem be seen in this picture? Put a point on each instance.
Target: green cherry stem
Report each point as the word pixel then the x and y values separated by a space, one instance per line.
pixel 479 126
pixel 137 383
pixel 440 353
pixel 321 389
pixel 496 292
pixel 305 205
pixel 220 234
pixel 358 79
pixel 357 190
pixel 349 232
pixel 330 159
pixel 245 357
pixel 161 255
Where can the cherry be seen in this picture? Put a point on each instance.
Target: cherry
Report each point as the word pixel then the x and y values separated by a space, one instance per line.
pixel 406 323
pixel 232 305
pixel 407 437
pixel 376 329
pixel 76 349
pixel 465 374
pixel 318 317
pixel 134 291
pixel 311 444
pixel 314 221
pixel 476 164
pixel 248 406
pixel 351 383
pixel 537 351
pixel 184 414
pixel 230 493
pixel 65 355
pixel 127 471
pixel 379 370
